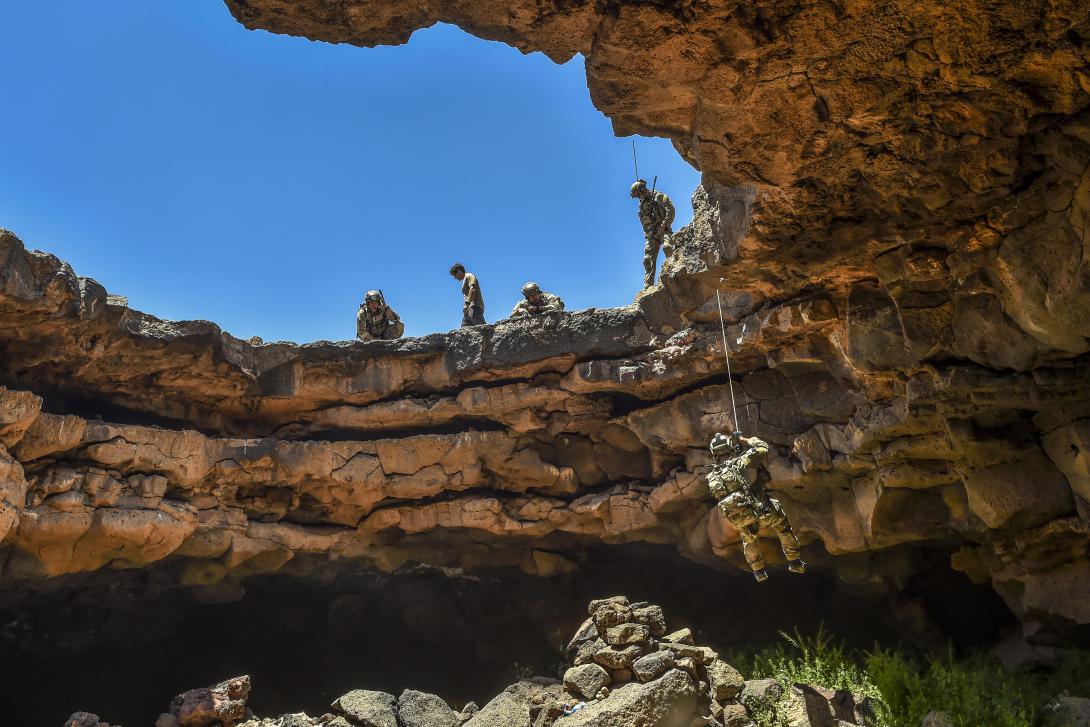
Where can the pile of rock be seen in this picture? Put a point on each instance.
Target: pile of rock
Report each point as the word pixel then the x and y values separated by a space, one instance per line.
pixel 627 670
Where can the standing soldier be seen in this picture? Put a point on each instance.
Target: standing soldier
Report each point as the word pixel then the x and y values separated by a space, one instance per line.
pixel 744 510
pixel 376 320
pixel 656 216
pixel 472 300
pixel 535 301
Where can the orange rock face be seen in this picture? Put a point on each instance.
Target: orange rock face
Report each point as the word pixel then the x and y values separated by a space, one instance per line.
pixel 893 212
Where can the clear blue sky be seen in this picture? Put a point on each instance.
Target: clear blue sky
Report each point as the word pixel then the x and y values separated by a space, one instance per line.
pixel 265 182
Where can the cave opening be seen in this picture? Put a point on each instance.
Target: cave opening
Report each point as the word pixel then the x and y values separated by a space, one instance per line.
pixel 123 643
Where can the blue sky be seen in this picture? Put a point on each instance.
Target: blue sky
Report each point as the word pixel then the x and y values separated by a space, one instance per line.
pixel 265 182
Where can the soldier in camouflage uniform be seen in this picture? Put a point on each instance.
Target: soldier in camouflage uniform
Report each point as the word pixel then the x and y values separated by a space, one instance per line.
pixel 376 320
pixel 746 511
pixel 535 301
pixel 656 216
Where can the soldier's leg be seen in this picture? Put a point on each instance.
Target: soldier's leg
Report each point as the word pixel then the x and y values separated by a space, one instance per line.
pixel 650 260
pixel 397 330
pixel 667 244
pixel 789 542
pixel 751 547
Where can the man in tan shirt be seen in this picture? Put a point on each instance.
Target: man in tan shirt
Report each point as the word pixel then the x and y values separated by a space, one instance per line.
pixel 472 300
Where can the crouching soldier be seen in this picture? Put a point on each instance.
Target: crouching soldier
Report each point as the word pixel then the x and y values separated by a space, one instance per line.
pixel 376 320
pixel 535 302
pixel 744 509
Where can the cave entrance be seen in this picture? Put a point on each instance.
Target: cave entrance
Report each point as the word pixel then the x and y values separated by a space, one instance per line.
pixel 114 644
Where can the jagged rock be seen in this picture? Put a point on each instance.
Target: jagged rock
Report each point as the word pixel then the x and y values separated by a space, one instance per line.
pixel 652 666
pixel 724 680
pixel 681 636
pixel 614 657
pixel 586 680
pixel 627 633
pixel 651 617
pixel 419 709
pixel 367 708
pixel 587 632
pixel 85 719
pixel 659 702
pixel 760 691
pixel 221 704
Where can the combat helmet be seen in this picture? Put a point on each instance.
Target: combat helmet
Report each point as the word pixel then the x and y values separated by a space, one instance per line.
pixel 531 289
pixel 372 295
pixel 638 188
pixel 721 444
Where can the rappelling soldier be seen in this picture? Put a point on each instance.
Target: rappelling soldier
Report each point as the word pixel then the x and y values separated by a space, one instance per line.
pixel 472 299
pixel 748 508
pixel 535 302
pixel 376 320
pixel 656 216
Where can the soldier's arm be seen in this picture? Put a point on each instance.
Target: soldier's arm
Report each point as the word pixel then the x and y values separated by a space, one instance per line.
pixel 518 311
pixel 756 445
pixel 361 328
pixel 391 315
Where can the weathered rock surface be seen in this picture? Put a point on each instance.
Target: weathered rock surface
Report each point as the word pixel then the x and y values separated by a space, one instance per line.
pixel 894 210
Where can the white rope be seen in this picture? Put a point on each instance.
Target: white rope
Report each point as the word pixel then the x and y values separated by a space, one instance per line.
pixel 726 355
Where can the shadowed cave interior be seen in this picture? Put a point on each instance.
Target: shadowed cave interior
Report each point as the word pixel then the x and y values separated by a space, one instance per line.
pixel 123 643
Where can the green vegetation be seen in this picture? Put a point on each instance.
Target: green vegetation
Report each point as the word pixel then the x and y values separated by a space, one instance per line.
pixel 972 692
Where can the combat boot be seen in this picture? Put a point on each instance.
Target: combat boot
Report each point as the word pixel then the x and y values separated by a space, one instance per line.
pixel 796 566
pixel 761 575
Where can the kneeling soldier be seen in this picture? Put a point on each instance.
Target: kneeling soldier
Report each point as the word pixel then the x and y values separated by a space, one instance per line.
pixel 536 301
pixel 376 320
pixel 744 510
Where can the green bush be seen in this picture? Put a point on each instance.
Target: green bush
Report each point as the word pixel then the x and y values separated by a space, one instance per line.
pixel 973 692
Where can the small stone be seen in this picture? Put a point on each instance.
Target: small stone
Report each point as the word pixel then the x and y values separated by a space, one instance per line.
pixel 420 709
pixel 585 680
pixel 602 693
pixel 586 632
pixel 613 658
pixel 683 650
pixel 587 651
pixel 760 691
pixel 652 666
pixel 651 617
pixel 688 665
pixel 734 715
pixel 621 676
pixel 681 636
pixel 367 708
pixel 724 680
pixel 615 600
pixel 627 633
pixel 611 614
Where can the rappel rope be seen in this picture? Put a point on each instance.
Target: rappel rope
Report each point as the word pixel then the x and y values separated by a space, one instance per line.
pixel 726 355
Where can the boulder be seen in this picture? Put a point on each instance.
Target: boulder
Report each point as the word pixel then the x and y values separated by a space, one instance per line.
pixel 586 680
pixel 222 704
pixel 651 667
pixel 367 708
pixel 724 680
pixel 420 709
pixel 669 700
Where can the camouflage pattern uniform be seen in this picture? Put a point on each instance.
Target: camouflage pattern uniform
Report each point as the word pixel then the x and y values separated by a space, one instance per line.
pixel 657 218
pixel 378 323
pixel 536 301
pixel 748 512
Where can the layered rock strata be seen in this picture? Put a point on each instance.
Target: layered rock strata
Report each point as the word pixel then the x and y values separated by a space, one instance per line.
pixel 893 217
